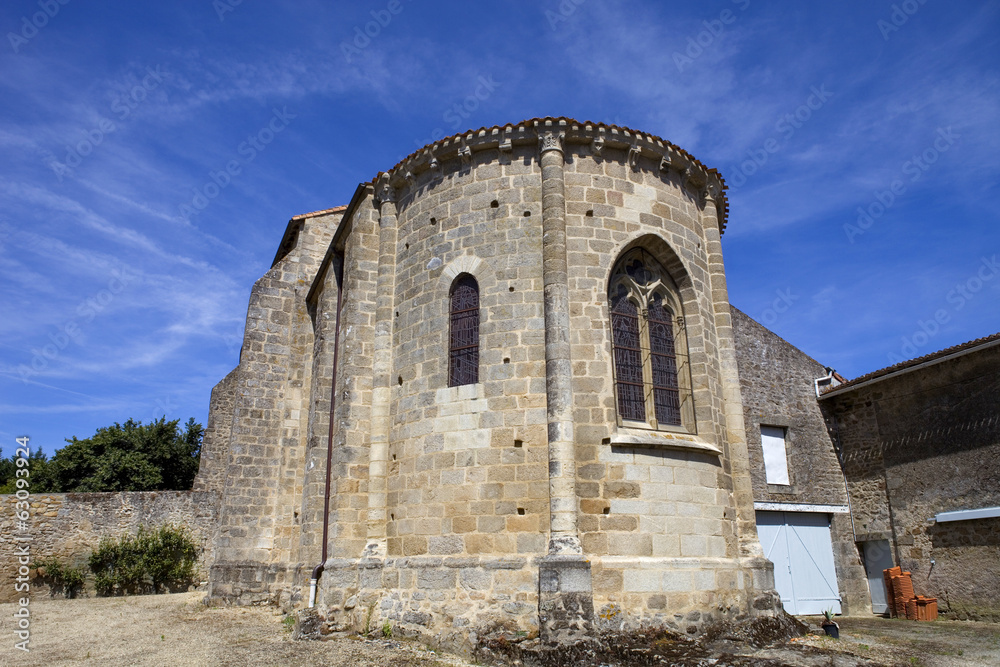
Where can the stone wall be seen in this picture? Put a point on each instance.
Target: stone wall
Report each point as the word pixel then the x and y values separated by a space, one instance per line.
pixel 258 540
pixel 215 442
pixel 923 442
pixel 447 500
pixel 776 381
pixel 69 526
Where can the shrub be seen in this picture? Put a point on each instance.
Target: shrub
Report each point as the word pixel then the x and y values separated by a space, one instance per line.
pixel 61 578
pixel 149 562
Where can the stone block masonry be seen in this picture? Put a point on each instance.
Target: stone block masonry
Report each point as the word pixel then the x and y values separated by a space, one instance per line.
pixel 920 442
pixel 523 500
pixel 68 526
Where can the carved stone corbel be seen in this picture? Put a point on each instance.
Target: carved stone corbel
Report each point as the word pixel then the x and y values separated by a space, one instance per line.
pixel 597 145
pixel 506 148
pixel 465 153
pixel 633 156
pixel 550 141
pixel 384 192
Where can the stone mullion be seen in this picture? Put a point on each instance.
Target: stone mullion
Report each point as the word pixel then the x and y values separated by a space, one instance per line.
pixel 736 446
pixel 382 369
pixel 563 536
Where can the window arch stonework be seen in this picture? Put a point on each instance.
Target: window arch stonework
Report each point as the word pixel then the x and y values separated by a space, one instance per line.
pixel 652 381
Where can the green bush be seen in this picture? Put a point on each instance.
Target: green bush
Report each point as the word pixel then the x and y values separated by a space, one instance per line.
pixel 61 578
pixel 149 562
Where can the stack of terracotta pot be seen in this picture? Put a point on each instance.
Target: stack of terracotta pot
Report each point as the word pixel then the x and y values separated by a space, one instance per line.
pixel 903 601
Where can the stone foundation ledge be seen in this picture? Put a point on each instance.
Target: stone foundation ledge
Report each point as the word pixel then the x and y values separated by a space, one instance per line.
pixel 254 583
pixel 467 597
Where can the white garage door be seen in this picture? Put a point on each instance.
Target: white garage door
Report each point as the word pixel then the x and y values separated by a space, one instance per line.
pixel 799 545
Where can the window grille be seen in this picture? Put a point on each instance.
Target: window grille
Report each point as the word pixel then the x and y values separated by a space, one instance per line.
pixel 463 366
pixel 644 330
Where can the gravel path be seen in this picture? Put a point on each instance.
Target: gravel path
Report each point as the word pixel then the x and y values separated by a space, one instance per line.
pixel 178 630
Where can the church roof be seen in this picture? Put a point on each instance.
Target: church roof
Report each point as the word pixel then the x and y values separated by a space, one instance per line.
pixel 912 364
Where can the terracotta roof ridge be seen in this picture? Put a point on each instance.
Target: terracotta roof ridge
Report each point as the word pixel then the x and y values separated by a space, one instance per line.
pixel 555 122
pixel 313 214
pixel 948 351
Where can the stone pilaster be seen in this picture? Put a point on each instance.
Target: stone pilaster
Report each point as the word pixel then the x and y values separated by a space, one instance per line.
pixel 735 428
pixel 382 387
pixel 565 588
pixel 563 535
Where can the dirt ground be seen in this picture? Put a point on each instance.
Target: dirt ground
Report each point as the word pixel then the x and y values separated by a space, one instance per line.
pixel 901 642
pixel 179 630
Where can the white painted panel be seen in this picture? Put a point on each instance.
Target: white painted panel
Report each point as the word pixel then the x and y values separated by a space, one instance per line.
pixel 771 532
pixel 799 545
pixel 772 439
pixel 814 576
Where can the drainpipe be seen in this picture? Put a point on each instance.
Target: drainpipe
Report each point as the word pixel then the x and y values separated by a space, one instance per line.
pixel 318 570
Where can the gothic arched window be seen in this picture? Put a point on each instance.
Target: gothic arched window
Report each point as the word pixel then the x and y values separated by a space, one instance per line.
pixel 649 344
pixel 463 349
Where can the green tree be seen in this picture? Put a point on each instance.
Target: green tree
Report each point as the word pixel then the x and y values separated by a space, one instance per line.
pixel 128 457
pixel 38 476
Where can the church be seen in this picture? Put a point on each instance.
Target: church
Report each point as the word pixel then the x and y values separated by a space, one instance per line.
pixel 503 387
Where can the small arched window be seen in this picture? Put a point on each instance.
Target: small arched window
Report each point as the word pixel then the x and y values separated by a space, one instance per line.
pixel 463 349
pixel 649 345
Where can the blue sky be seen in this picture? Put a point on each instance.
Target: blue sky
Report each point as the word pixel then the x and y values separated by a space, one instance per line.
pixel 861 138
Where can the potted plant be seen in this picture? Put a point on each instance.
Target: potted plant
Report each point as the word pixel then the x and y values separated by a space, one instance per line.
pixel 830 626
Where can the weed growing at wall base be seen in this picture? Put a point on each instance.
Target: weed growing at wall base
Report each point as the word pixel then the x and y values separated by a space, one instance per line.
pixel 152 561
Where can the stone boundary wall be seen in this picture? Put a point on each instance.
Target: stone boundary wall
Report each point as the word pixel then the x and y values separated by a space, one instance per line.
pixel 70 525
